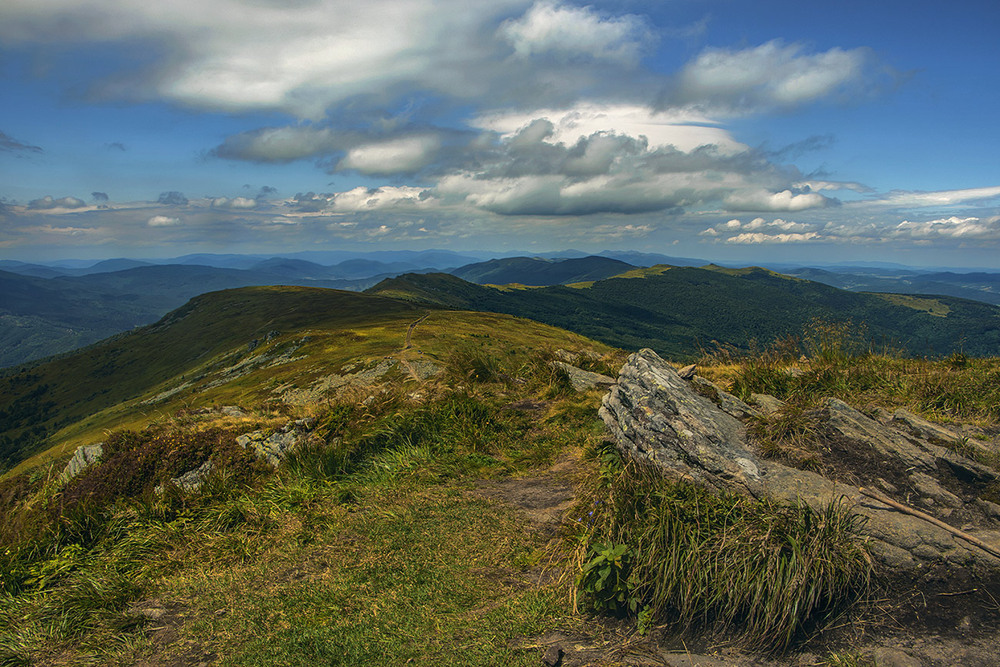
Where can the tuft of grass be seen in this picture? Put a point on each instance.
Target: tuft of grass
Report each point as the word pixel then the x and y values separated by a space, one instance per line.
pixel 771 570
pixel 788 432
pixel 848 659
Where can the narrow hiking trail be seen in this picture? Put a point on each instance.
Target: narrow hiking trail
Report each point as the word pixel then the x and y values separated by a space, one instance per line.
pixel 408 345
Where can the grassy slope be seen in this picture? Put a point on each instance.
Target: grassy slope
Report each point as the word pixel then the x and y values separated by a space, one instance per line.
pixel 52 395
pixel 72 400
pixel 536 272
pixel 394 559
pixel 389 556
pixel 681 311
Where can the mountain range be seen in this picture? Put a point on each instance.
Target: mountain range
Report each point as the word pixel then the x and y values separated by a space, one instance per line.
pixel 60 306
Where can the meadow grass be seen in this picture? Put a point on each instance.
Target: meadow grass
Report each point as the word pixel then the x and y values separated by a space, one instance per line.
pixel 398 559
pixel 833 360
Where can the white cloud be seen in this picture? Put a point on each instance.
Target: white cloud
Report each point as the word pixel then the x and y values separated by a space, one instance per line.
pixel 47 203
pixel 758 237
pixel 553 28
pixel 762 200
pixel 817 186
pixel 280 144
pixel 234 203
pixel 386 197
pixel 399 156
pixel 952 227
pixel 683 130
pixel 163 221
pixel 750 232
pixel 939 198
pixel 770 75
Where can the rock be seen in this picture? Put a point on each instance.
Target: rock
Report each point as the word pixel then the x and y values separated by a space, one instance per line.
pixel 655 416
pixel 583 380
pixel 922 428
pixel 192 480
pixel 232 411
pixel 277 446
pixel 728 403
pixel 566 356
pixel 688 372
pixel 893 657
pixel 928 486
pixel 767 403
pixel 553 656
pixel 85 455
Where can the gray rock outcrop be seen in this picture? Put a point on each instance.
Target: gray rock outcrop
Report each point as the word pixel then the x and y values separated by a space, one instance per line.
pixel 275 447
pixel 192 480
pixel 693 431
pixel 583 380
pixel 84 456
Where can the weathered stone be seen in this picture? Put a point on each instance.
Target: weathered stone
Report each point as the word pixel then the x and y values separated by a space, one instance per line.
pixel 922 428
pixel 85 455
pixel 688 372
pixel 893 657
pixel 928 486
pixel 854 425
pixel 232 411
pixel 192 480
pixel 767 403
pixel 728 403
pixel 583 380
pixel 566 356
pixel 655 416
pixel 277 446
pixel 553 656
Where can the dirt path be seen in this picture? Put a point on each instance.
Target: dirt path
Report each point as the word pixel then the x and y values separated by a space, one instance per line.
pixel 408 344
pixel 409 331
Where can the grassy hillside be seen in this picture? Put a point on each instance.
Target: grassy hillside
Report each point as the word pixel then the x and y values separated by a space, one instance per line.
pixel 681 312
pixel 536 272
pixel 41 399
pixel 392 535
pixel 41 317
pixel 249 345
pixel 983 287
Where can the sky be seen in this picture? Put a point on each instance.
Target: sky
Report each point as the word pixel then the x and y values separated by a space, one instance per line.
pixel 737 131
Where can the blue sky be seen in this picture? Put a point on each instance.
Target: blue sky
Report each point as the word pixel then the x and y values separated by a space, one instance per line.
pixel 752 132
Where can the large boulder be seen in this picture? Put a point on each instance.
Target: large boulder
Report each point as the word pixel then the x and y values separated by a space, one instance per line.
pixel 694 431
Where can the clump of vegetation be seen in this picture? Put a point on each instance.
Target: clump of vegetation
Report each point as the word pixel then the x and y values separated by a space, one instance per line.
pixel 681 554
pixel 789 432
pixel 832 361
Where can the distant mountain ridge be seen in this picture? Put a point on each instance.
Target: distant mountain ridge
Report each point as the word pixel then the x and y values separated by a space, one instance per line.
pixel 681 312
pixel 535 272
pixel 78 303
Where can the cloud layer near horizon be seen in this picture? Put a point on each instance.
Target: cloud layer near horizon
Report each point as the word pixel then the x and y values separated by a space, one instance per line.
pixel 505 117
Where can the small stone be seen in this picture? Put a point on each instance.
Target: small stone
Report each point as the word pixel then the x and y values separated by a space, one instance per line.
pixel 553 656
pixel 767 403
pixel 583 380
pixel 688 372
pixel 891 657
